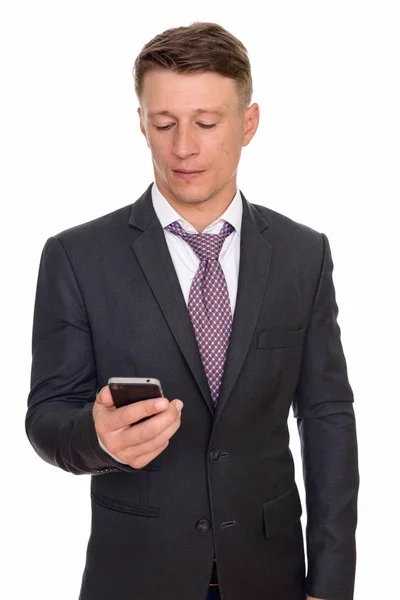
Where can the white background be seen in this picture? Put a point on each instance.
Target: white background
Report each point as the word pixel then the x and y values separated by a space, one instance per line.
pixel 326 76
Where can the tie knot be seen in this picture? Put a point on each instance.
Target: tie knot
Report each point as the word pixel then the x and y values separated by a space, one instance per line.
pixel 205 245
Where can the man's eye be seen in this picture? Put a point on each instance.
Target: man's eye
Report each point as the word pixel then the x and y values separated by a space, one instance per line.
pixel 163 127
pixel 166 127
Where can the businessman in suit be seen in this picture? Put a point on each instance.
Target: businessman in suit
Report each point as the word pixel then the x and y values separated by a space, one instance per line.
pixel 232 306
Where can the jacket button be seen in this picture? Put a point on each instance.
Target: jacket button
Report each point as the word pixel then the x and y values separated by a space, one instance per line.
pixel 215 456
pixel 203 525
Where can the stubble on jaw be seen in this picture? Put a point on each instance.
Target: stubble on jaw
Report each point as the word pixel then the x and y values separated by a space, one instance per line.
pixel 190 201
pixel 188 198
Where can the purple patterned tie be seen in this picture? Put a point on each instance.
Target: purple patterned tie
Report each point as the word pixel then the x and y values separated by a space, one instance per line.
pixel 209 306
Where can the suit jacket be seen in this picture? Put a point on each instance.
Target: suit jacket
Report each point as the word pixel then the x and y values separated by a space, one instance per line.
pixel 109 304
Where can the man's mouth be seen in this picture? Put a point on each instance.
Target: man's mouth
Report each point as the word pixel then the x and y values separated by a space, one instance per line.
pixel 187 173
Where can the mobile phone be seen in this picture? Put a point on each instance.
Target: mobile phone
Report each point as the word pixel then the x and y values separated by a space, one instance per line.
pixel 125 390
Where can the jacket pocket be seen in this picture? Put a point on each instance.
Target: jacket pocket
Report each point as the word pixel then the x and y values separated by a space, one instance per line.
pixel 280 339
pixel 140 510
pixel 282 513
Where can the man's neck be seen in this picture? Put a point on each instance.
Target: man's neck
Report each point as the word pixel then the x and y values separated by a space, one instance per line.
pixel 201 214
pixel 200 218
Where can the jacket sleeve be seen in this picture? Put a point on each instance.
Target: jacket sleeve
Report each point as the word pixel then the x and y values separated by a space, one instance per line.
pixel 323 406
pixel 59 421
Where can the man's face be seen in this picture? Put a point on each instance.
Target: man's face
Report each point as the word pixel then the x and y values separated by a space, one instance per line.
pixel 195 131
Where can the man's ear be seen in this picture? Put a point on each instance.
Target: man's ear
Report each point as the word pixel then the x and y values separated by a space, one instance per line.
pixel 250 123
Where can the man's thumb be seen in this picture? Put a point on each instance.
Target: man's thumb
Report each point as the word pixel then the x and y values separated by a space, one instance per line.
pixel 104 397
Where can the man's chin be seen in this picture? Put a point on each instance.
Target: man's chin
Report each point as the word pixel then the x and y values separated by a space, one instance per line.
pixel 190 199
pixel 190 196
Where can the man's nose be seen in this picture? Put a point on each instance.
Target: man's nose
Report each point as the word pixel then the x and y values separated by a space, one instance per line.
pixel 185 144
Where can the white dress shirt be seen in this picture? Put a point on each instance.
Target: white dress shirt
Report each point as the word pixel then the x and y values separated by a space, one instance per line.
pixel 186 262
pixel 185 259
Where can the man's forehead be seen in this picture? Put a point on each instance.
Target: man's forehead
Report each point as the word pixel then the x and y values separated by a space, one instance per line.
pixel 166 92
pixel 215 110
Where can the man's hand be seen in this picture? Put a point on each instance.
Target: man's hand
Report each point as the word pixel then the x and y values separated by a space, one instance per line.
pixel 135 444
pixel 312 598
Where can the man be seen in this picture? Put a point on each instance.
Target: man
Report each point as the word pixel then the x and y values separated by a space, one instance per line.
pixel 232 307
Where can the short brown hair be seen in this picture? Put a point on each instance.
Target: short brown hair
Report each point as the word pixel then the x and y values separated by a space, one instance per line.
pixel 198 48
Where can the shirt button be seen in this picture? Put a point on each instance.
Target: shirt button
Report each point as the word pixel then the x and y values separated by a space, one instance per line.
pixel 215 456
pixel 203 525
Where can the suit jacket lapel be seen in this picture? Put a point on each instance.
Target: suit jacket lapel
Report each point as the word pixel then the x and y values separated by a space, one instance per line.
pixel 152 252
pixel 255 258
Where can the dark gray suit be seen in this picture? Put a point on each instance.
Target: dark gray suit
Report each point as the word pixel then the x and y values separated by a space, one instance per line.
pixel 109 304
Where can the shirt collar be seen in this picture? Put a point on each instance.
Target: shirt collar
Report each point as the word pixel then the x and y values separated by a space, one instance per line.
pixel 167 214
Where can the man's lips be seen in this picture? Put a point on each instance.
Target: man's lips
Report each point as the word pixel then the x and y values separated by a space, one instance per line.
pixel 186 174
pixel 188 171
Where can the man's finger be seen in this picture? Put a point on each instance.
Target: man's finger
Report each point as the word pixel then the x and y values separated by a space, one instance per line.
pixel 129 415
pixel 142 461
pixel 149 435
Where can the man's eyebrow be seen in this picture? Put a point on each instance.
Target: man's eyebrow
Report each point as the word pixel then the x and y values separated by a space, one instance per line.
pixel 166 113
